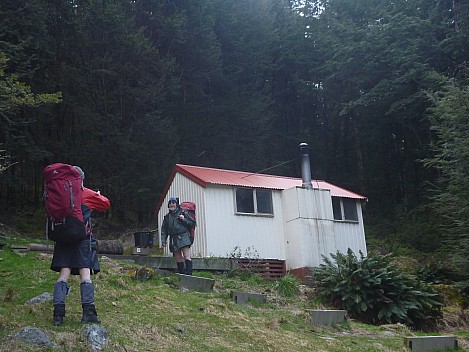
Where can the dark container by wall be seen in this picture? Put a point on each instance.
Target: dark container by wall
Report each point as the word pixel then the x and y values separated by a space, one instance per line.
pixel 143 239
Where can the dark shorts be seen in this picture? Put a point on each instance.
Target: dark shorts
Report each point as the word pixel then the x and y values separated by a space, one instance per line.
pixel 76 257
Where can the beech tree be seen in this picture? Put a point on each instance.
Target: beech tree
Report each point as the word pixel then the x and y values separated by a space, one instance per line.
pixel 16 95
pixel 450 123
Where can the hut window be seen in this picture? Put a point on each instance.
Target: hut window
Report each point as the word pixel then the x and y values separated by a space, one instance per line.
pixel 254 201
pixel 264 201
pixel 344 209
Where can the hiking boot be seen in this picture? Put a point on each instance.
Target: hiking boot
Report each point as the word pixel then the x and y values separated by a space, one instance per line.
pixel 58 320
pixel 180 267
pixel 188 267
pixel 90 315
pixel 59 314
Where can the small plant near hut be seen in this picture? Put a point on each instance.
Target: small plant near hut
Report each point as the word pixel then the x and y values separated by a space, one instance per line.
pixel 373 290
pixel 287 286
pixel 249 253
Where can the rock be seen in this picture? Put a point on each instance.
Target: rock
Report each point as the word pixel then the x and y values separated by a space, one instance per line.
pixel 34 336
pixel 96 336
pixel 46 296
pixel 145 274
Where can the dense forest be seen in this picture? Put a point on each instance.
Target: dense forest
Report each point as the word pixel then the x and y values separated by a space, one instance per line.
pixel 126 89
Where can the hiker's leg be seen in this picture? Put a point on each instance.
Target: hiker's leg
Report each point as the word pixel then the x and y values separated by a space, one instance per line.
pixel 61 290
pixel 85 274
pixel 178 255
pixel 186 252
pixel 179 261
pixel 87 297
pixel 64 274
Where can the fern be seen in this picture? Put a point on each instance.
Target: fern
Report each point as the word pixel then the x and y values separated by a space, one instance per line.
pixel 373 290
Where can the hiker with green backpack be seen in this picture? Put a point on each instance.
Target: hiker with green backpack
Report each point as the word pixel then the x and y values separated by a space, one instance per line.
pixel 177 225
pixel 69 206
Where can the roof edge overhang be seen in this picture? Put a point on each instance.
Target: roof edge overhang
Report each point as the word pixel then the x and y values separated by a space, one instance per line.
pixel 182 171
pixel 177 168
pixel 353 195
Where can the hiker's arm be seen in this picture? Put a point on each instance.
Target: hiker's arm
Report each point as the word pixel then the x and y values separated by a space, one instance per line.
pixel 187 220
pixel 95 200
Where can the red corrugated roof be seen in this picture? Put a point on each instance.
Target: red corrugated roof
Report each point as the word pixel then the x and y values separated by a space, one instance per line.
pixel 205 175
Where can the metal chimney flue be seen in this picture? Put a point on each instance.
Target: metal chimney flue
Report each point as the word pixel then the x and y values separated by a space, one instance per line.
pixel 305 166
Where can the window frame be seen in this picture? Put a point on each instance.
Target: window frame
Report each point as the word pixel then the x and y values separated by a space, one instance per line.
pixel 255 201
pixel 342 208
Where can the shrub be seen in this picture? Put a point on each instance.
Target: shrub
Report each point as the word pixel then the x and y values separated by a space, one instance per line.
pixel 436 272
pixel 451 295
pixel 373 290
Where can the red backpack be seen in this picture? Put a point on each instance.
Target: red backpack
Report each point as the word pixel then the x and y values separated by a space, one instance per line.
pixel 62 201
pixel 189 208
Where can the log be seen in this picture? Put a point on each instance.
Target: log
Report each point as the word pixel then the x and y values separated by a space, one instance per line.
pixel 103 246
pixel 110 247
pixel 36 247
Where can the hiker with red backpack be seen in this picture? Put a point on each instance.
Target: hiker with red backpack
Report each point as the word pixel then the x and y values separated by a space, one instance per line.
pixel 72 255
pixel 177 225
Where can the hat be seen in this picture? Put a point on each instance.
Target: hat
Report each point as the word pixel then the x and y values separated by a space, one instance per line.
pixel 82 174
pixel 172 199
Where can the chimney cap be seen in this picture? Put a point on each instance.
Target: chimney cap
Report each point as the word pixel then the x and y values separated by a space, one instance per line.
pixel 304 147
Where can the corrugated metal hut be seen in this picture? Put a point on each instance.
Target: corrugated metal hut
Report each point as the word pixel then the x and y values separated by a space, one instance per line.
pixel 265 216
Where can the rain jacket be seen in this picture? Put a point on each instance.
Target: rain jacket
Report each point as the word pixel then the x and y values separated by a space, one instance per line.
pixel 176 229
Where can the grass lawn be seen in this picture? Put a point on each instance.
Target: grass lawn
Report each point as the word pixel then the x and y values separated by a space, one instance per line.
pixel 155 315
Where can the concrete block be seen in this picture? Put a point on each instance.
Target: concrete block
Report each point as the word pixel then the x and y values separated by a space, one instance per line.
pixel 195 283
pixel 430 343
pixel 246 297
pixel 318 317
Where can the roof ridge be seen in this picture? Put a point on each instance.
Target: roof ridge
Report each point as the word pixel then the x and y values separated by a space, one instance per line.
pixel 239 172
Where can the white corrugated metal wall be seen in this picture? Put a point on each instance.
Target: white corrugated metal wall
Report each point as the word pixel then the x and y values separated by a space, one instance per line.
pixel 311 231
pixel 308 227
pixel 248 235
pixel 350 234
